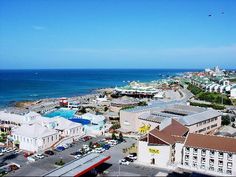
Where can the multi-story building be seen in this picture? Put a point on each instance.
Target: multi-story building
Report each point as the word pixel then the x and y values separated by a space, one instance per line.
pixel 162 146
pixel 198 120
pixel 210 153
pixel 34 137
pixel 172 145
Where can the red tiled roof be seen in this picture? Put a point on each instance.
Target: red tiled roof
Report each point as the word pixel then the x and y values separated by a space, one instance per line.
pixel 172 133
pixel 163 136
pixel 219 143
pixel 176 128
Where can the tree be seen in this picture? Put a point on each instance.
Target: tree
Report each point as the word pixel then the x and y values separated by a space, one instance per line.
pixel 232 119
pixel 121 137
pixel 90 144
pixel 113 136
pixel 225 120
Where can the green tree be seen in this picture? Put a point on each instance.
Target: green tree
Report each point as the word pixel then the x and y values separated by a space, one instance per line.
pixel 225 120
pixel 113 136
pixel 121 138
pixel 90 144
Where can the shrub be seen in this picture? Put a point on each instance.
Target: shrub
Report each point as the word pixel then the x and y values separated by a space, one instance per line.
pixel 60 163
pixel 225 120
pixel 113 136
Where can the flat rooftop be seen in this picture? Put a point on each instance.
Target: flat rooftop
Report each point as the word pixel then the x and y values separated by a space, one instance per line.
pixel 79 166
pixel 185 114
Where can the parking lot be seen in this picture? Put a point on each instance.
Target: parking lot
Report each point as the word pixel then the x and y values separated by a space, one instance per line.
pixel 46 164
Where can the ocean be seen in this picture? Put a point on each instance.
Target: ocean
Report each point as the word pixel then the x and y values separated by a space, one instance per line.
pixel 18 85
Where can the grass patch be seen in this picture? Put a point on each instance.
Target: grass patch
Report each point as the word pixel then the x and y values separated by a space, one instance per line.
pixel 214 106
pixel 212 97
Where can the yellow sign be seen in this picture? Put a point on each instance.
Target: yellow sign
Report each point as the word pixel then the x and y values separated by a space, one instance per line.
pixel 154 151
pixel 144 129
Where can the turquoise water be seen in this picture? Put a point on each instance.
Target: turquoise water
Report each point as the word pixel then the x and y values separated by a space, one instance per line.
pixel 66 113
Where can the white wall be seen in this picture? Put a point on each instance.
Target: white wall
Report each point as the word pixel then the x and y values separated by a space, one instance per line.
pixel 161 159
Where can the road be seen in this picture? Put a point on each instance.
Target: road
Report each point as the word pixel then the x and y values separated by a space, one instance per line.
pixel 42 166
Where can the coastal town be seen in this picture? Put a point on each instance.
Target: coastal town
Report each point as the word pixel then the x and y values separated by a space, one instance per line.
pixel 180 125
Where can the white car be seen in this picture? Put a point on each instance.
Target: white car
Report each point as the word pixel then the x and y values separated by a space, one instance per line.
pixel 1 154
pixel 99 150
pixel 4 150
pixel 39 156
pixel 77 156
pixel 65 146
pixel 31 159
pixel 85 146
pixel 123 162
pixel 132 157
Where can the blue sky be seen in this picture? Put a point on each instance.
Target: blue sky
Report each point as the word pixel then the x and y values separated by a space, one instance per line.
pixel 117 34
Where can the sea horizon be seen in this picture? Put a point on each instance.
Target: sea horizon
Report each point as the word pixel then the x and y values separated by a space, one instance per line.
pixel 33 84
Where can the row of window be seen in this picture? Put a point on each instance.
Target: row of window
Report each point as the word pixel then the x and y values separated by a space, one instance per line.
pixel 211 153
pixel 211 162
pixel 211 168
pixel 33 141
pixel 207 121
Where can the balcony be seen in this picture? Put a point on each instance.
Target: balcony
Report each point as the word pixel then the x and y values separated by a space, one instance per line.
pixel 229 165
pixel 220 164
pixel 212 154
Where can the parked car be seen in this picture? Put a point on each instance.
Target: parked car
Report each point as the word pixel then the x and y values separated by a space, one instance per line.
pixel 27 154
pixel 128 159
pixel 60 148
pixel 3 164
pixel 1 154
pixel 99 150
pixel 31 159
pixel 49 152
pixel 39 156
pixel 86 138
pixel 132 156
pixel 76 153
pixel 124 162
pixel 106 146
pixel 77 156
pixel 65 146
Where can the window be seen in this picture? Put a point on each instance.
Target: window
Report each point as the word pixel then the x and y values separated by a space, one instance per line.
pixel 203 152
pixel 229 172
pixel 220 170
pixel 186 157
pixel 229 156
pixel 211 162
pixel 52 138
pixel 202 166
pixel 211 168
pixel 186 163
pixel 229 165
pixel 220 163
pixel 195 151
pixel 220 154
pixel 212 153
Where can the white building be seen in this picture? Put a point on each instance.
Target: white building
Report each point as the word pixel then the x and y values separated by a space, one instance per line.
pixel 163 146
pixel 67 128
pixel 172 145
pixel 197 119
pixel 210 153
pixel 34 137
pixel 233 92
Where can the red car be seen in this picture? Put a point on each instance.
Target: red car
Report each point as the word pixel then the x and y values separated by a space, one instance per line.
pixel 86 138
pixel 27 154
